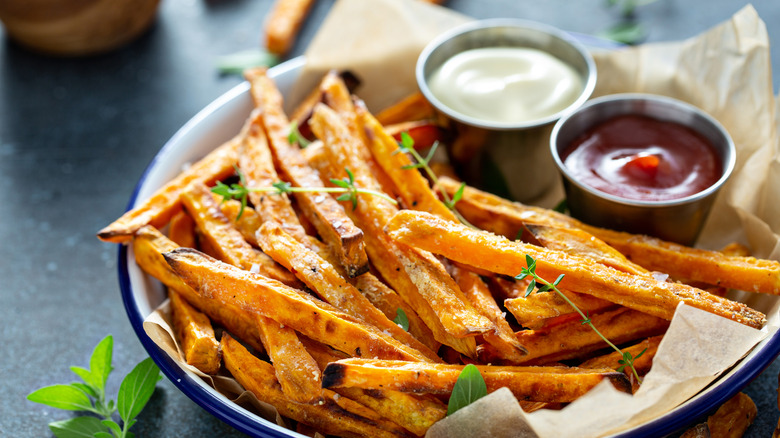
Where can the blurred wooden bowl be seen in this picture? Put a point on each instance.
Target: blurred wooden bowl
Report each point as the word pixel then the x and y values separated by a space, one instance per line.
pixel 76 27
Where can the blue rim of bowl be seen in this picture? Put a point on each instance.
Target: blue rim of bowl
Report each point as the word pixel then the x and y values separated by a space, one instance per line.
pixel 719 392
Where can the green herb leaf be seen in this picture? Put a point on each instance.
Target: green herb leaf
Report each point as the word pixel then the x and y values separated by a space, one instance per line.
pixel 401 319
pixel 562 206
pixel 106 435
pixel 625 33
pixel 295 136
pixel 458 195
pixel 236 63
pixel 64 397
pixel 78 427
pixel 100 362
pixel 340 183
pixel 111 424
pixel 282 186
pixel 350 176
pixel 469 388
pixel 530 288
pixel 136 389
pixel 558 280
pixel 86 389
pixel 640 354
pixel 407 142
pixel 530 264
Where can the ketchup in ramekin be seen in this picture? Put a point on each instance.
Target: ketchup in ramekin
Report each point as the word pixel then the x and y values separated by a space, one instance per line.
pixel 642 163
pixel 642 158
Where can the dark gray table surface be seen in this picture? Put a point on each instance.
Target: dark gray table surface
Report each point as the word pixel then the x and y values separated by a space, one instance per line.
pixel 76 134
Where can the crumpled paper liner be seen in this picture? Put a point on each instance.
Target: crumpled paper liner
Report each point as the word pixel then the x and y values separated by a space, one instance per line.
pixel 725 71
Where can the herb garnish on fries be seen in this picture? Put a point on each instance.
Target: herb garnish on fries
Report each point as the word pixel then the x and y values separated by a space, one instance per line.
pixel 362 320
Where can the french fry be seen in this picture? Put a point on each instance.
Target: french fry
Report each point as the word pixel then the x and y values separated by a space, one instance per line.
pixel 329 417
pixel 182 230
pixel 544 384
pixel 641 364
pixel 413 412
pixel 577 242
pixel 336 95
pixel 297 372
pixel 642 352
pixel 497 254
pixel 322 278
pixel 731 420
pixel 389 302
pixel 247 224
pixel 411 108
pixel 710 267
pixel 225 240
pixel 699 431
pixel 533 310
pixel 149 245
pixel 164 203
pixel 573 339
pixel 294 309
pixel 257 163
pixel 503 339
pixel 196 335
pixel 283 23
pixel 412 187
pixel 417 194
pixel 324 212
pixel 418 277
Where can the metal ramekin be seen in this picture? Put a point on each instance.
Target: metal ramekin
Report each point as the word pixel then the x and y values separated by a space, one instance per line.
pixel 523 139
pixel 677 220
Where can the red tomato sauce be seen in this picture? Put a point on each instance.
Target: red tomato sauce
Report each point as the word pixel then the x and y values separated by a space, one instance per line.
pixel 645 159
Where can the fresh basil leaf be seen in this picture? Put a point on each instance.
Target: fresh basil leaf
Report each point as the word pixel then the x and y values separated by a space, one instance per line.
pixel 105 435
pixel 401 319
pixel 469 388
pixel 79 427
pixel 111 424
pixel 62 397
pixel 136 389
pixel 85 374
pixel 86 389
pixel 236 63
pixel 100 363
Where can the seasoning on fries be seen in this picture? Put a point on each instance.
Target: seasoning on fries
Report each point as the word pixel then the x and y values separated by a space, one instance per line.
pixel 360 314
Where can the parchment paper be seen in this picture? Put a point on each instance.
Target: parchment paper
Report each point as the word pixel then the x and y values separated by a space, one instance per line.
pixel 725 71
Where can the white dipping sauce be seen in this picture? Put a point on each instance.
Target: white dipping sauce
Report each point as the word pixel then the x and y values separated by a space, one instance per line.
pixel 506 84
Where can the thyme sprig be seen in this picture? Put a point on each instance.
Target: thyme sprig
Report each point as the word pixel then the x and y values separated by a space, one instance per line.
pixel 543 285
pixel 346 186
pixel 407 145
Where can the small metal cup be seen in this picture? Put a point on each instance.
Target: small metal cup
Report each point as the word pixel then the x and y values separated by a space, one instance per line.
pixel 507 146
pixel 677 220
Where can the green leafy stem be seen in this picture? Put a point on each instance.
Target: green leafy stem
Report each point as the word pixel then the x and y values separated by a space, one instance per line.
pixel 543 286
pixel 346 186
pixel 407 145
pixel 90 396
